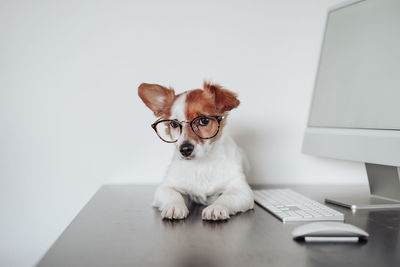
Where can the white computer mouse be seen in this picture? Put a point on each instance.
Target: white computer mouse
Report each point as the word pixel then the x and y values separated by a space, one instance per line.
pixel 329 231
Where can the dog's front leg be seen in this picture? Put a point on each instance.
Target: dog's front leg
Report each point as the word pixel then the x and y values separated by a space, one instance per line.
pixel 170 202
pixel 237 198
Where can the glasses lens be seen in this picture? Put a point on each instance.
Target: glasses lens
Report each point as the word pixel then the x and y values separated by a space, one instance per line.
pixel 169 130
pixel 205 127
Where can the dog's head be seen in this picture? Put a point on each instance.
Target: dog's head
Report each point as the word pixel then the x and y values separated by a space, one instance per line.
pixel 193 120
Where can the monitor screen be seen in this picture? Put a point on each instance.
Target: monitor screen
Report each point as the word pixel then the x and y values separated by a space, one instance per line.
pixel 358 79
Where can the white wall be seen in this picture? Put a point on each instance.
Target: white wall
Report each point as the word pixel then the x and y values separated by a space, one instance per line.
pixel 71 120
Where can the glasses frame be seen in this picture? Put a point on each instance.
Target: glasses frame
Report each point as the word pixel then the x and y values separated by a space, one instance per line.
pixel 219 119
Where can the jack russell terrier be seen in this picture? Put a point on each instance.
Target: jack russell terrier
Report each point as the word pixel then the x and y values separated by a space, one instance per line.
pixel 207 166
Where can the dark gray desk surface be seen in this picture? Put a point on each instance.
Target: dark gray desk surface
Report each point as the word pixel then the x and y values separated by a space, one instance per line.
pixel 118 227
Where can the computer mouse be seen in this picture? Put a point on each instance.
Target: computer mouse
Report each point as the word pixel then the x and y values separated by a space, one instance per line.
pixel 329 231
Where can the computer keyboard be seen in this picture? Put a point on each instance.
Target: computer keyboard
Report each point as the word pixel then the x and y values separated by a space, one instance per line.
pixel 290 206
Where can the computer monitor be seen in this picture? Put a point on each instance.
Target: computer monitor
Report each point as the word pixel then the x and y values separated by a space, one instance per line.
pixel 355 110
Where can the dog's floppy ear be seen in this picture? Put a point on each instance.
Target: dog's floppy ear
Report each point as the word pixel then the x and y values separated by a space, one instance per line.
pixel 225 100
pixel 156 97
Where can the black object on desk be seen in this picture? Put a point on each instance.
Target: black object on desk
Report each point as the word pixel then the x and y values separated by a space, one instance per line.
pixel 118 227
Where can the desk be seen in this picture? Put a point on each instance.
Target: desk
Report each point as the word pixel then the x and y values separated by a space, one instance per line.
pixel 118 227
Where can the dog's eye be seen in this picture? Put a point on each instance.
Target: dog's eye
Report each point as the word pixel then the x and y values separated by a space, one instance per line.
pixel 204 121
pixel 174 124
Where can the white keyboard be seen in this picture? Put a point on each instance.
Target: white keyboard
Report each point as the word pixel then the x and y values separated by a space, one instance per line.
pixel 290 206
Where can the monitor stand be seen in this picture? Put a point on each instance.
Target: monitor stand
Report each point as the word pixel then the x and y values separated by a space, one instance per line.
pixel 384 185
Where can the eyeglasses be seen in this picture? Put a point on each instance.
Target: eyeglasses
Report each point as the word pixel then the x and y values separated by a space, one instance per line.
pixel 205 127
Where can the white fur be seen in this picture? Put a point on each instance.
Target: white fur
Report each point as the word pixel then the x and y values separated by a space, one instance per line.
pixel 178 108
pixel 213 177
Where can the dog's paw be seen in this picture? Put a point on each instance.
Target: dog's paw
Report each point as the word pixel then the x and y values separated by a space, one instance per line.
pixel 215 213
pixel 175 211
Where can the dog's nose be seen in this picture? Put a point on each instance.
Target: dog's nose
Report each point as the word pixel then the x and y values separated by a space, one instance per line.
pixel 186 149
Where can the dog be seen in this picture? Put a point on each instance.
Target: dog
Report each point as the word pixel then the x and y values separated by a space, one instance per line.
pixel 207 167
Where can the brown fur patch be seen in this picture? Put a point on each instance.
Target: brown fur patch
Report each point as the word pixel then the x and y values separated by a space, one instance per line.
pixel 213 100
pixel 225 100
pixel 198 103
pixel 157 98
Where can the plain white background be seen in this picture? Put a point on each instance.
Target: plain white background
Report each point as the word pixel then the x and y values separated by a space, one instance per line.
pixel 71 120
